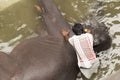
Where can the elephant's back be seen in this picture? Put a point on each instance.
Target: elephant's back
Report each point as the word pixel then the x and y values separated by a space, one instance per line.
pixel 46 56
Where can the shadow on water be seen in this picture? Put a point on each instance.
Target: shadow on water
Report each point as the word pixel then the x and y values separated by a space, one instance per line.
pixel 18 22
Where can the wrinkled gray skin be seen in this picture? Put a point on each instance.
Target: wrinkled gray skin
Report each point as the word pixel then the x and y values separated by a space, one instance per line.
pixel 46 57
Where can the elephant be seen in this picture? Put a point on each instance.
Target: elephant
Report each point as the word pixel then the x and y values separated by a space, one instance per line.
pixel 102 40
pixel 41 61
pixel 46 57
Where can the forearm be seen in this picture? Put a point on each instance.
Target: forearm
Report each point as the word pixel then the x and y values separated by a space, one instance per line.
pixel 65 34
pixel 66 38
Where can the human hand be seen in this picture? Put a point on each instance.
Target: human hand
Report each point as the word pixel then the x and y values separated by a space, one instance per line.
pixel 87 30
pixel 65 32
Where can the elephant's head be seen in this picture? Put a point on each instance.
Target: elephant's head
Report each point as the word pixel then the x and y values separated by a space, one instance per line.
pixel 102 41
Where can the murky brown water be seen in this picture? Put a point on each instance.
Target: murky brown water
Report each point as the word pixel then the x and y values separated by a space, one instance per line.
pixel 20 21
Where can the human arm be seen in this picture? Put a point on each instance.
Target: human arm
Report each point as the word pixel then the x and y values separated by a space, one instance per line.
pixel 65 34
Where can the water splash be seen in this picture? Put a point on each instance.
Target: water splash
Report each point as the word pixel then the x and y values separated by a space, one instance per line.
pixel 8 46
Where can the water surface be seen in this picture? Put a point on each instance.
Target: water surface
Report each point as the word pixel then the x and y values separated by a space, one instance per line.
pixel 19 20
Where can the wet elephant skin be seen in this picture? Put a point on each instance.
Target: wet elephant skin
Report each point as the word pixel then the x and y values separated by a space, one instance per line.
pixel 48 58
pixel 42 58
pixel 45 58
